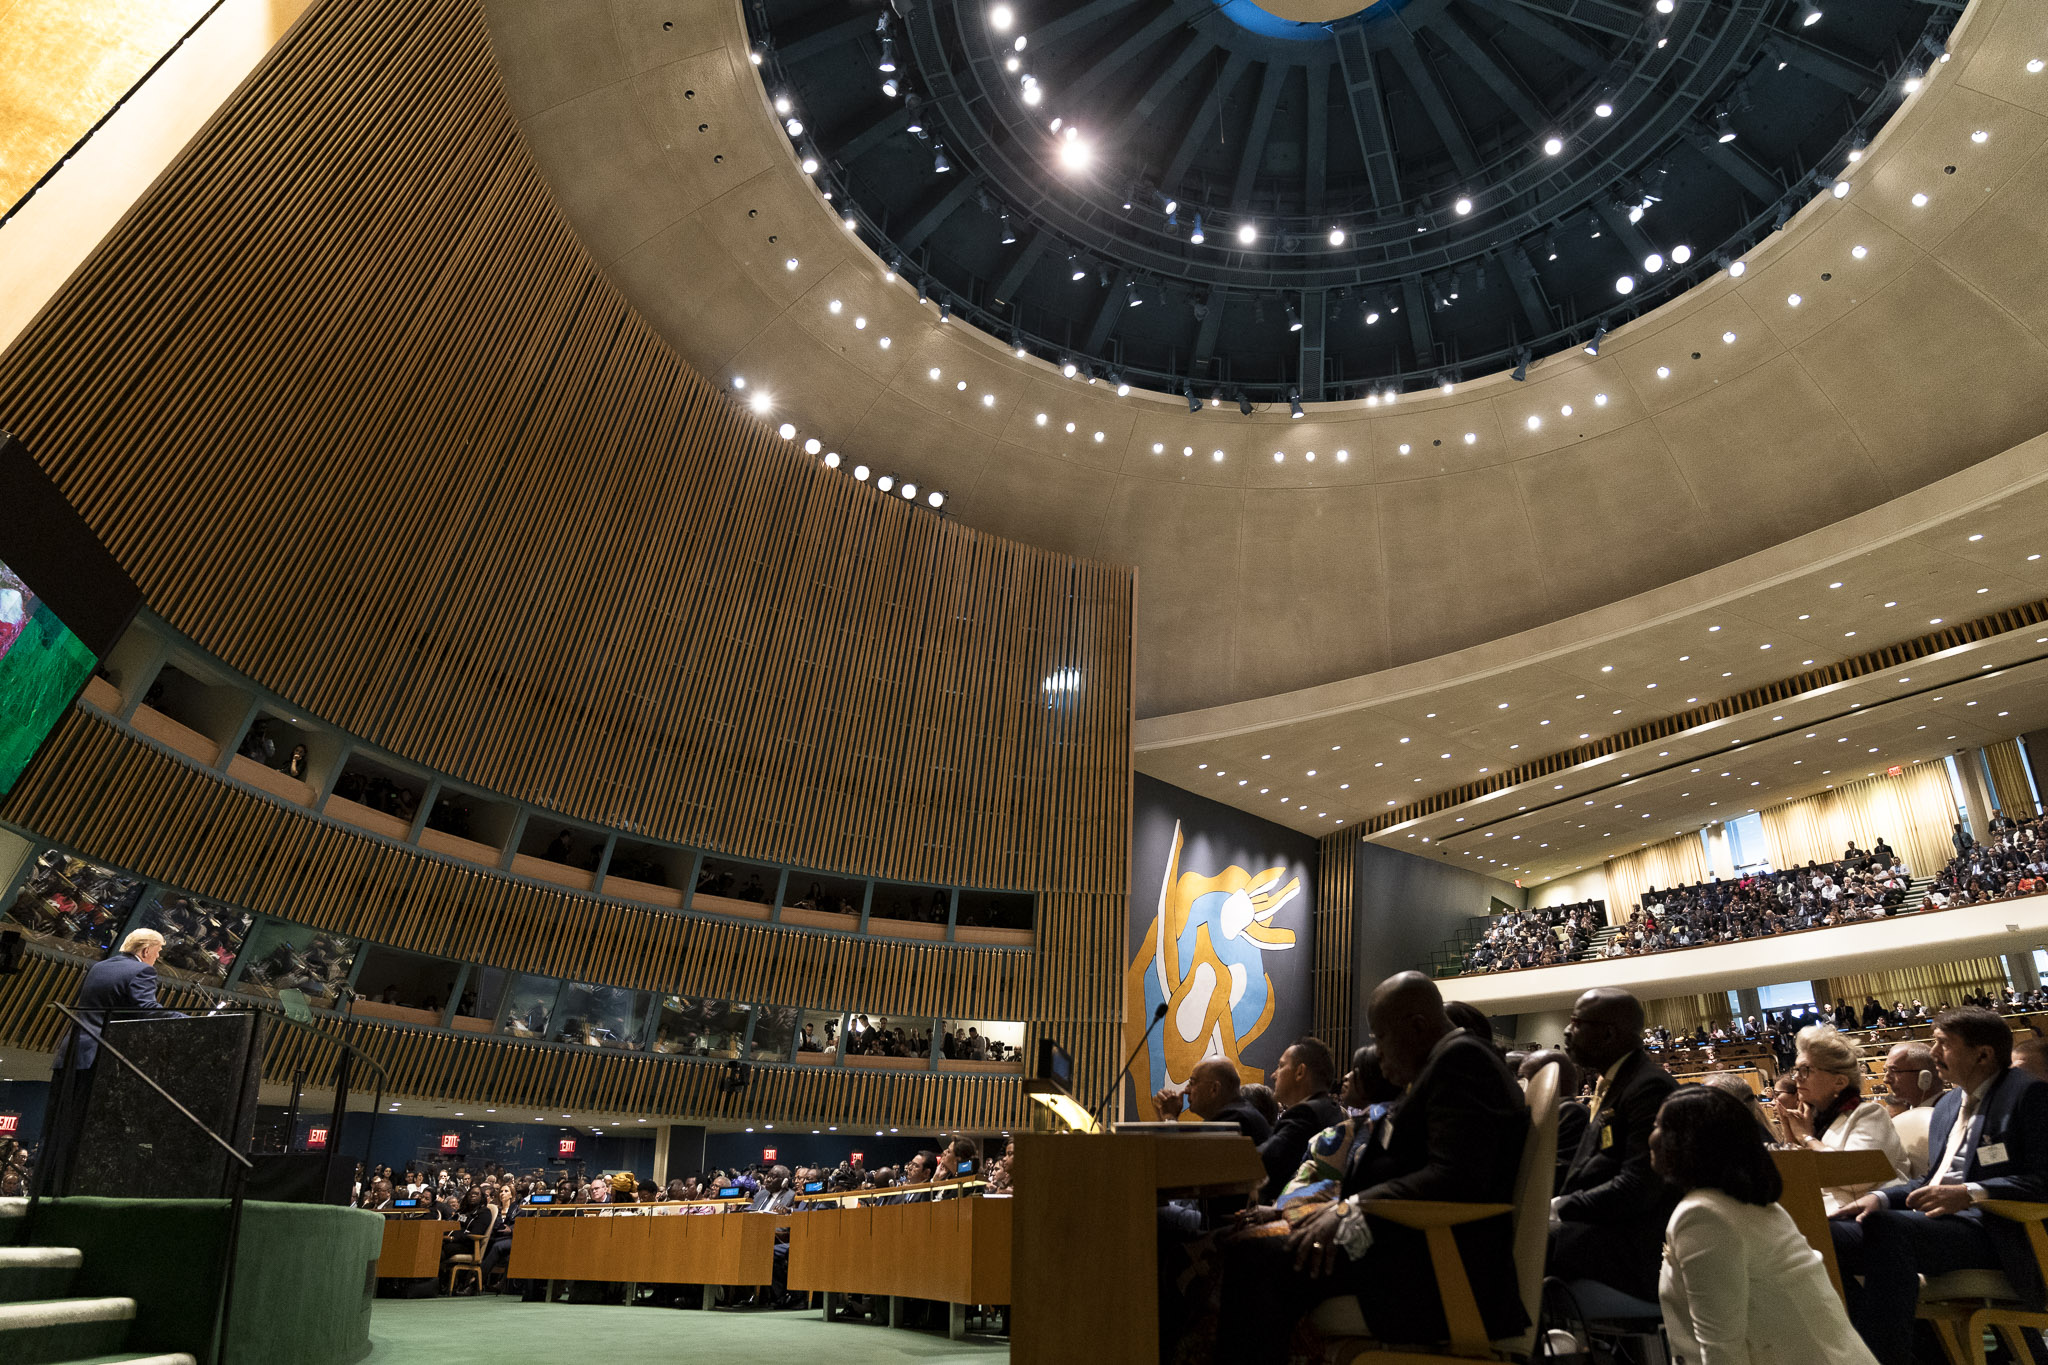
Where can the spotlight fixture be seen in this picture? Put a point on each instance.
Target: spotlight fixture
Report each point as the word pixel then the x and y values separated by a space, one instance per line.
pixel 1009 234
pixel 1069 368
pixel 886 482
pixel 939 162
pixel 793 126
pixel 1336 236
pixel 1653 263
pixel 1196 235
pixel 1840 189
pixel 1552 146
pixel 909 491
pixel 1593 346
pixel 1131 299
pixel 1188 392
pixel 945 309
pixel 1462 207
pixel 1076 270
pixel 1520 374
pixel 890 87
pixel 1680 254
pixel 1244 404
pixel 888 63
pixel 1625 285
pixel 1550 247
pixel 1809 13
pixel 860 472
pixel 1247 234
pixel 895 265
pixel 1293 319
pixel 936 498
pixel 1724 127
pixel 1294 404
pixel 1603 107
pixel 916 124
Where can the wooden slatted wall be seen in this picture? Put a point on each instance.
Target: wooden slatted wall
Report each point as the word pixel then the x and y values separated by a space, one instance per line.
pixel 1336 882
pixel 346 397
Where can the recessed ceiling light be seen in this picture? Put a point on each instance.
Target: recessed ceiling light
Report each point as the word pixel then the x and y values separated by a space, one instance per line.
pixel 1859 252
pixel 1919 201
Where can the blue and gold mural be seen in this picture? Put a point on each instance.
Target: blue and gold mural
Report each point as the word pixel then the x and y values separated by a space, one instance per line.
pixel 1220 921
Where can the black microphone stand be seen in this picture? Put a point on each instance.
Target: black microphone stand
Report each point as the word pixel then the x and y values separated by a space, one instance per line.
pixel 1129 1062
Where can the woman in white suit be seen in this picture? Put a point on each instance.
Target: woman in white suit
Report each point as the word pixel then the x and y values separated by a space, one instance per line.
pixel 1830 1113
pixel 1740 1285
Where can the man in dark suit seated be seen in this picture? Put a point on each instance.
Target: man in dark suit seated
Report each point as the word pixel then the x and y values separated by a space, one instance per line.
pixel 1211 1095
pixel 1988 1139
pixel 115 985
pixel 1302 1082
pixel 1457 1135
pixel 1607 1221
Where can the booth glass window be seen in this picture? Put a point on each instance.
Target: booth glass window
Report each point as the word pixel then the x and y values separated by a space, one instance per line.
pixel 531 1007
pixel 881 1035
pixel 981 1040
pixel 300 958
pixel 602 1016
pixel 774 1033
pixel 692 1027
pixel 908 903
pixel 819 1030
pixel 201 939
pixel 70 901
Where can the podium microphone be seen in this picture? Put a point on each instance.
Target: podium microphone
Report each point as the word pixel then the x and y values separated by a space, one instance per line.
pixel 1110 1094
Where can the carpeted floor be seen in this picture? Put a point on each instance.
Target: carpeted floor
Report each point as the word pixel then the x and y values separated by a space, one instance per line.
pixel 495 1331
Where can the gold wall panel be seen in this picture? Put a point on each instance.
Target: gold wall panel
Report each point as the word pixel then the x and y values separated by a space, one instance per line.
pixel 63 64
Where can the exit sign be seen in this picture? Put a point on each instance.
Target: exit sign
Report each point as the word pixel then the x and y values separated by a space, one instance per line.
pixel 767 1154
pixel 10 1123
pixel 316 1137
pixel 451 1142
pixel 1894 771
pixel 856 1156
pixel 566 1147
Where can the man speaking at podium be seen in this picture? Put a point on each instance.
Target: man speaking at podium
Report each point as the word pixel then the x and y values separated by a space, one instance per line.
pixel 1458 1136
pixel 124 981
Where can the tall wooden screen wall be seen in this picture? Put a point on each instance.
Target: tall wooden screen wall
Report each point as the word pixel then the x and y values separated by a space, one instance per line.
pixel 350 402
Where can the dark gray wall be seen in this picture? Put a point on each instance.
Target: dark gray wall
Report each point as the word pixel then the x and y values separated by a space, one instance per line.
pixel 1405 906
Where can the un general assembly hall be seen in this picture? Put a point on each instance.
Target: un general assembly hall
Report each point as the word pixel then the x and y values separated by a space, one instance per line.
pixel 1134 682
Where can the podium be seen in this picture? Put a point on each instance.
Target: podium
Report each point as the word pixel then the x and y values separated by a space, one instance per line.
pixel 134 1142
pixel 1085 1256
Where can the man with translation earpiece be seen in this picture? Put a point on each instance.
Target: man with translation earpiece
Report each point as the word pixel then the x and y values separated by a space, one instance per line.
pixel 1914 1086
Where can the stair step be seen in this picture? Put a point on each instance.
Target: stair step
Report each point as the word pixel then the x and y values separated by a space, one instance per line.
pixel 48 1331
pixel 37 1272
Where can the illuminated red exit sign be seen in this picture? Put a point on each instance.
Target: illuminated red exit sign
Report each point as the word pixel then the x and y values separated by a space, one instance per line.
pixel 1894 771
pixel 10 1123
pixel 856 1156
pixel 316 1137
pixel 451 1142
pixel 767 1154
pixel 566 1147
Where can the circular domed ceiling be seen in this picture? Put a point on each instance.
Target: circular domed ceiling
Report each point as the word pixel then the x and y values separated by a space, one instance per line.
pixel 1251 202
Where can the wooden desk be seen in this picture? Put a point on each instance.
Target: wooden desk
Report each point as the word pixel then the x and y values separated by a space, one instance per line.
pixel 953 1250
pixel 645 1248
pixel 412 1248
pixel 1087 1236
pixel 1807 1173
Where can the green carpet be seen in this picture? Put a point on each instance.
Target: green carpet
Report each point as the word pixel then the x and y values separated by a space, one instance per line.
pixel 503 1331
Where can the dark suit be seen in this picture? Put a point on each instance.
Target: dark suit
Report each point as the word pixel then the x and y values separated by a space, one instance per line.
pixel 1571 1130
pixel 1612 1207
pixel 1249 1121
pixel 1298 1126
pixel 1457 1136
pixel 112 985
pixel 120 982
pixel 1889 1250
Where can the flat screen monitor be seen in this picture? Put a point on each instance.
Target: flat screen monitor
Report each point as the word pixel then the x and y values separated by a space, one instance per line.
pixel 1055 1064
pixel 405 1203
pixel 814 1187
pixel 63 602
pixel 540 1199
pixel 966 1167
pixel 730 1192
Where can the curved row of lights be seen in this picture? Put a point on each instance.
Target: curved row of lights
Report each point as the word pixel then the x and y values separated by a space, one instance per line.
pixel 762 403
